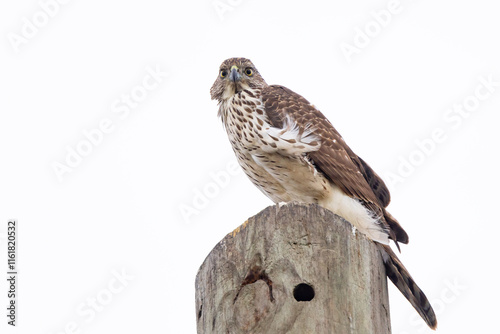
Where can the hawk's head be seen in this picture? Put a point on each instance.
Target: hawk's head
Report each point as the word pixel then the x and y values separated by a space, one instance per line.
pixel 235 75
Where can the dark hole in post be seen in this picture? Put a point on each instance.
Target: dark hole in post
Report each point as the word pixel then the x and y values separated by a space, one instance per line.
pixel 303 292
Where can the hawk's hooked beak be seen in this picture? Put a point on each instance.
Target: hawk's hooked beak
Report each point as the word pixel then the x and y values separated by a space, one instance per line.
pixel 234 75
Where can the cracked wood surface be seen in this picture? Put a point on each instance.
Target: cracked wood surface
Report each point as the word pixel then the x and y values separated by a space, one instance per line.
pixel 246 284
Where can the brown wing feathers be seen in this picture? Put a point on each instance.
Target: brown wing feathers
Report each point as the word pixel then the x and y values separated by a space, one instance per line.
pixel 334 159
pixel 380 189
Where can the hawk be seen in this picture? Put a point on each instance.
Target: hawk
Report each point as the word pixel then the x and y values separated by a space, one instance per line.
pixel 291 152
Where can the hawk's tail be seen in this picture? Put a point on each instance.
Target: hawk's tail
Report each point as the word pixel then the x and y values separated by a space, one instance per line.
pixel 403 281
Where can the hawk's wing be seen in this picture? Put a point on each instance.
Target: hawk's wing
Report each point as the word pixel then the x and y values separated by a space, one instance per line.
pixel 334 159
pixel 376 183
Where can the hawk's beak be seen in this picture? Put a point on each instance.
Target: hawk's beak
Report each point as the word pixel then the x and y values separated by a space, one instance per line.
pixel 234 75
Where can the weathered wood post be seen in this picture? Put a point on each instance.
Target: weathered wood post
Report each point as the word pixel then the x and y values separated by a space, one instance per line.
pixel 295 269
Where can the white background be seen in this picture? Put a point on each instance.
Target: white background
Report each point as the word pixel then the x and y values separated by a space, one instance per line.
pixel 119 209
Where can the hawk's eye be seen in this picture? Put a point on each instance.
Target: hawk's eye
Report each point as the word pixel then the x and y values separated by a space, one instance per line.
pixel 223 73
pixel 249 72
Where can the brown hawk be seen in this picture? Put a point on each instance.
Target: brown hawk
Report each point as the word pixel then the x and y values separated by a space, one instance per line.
pixel 291 152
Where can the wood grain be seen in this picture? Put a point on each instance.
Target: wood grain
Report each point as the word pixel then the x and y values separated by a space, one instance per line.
pixel 247 282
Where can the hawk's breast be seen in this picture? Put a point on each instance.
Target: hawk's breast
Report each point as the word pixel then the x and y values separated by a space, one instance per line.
pixel 272 158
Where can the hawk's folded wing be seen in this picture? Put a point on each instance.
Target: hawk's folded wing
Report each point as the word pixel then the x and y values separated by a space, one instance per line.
pixel 334 159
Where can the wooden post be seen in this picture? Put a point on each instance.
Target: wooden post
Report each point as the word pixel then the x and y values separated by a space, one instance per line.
pixel 295 269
